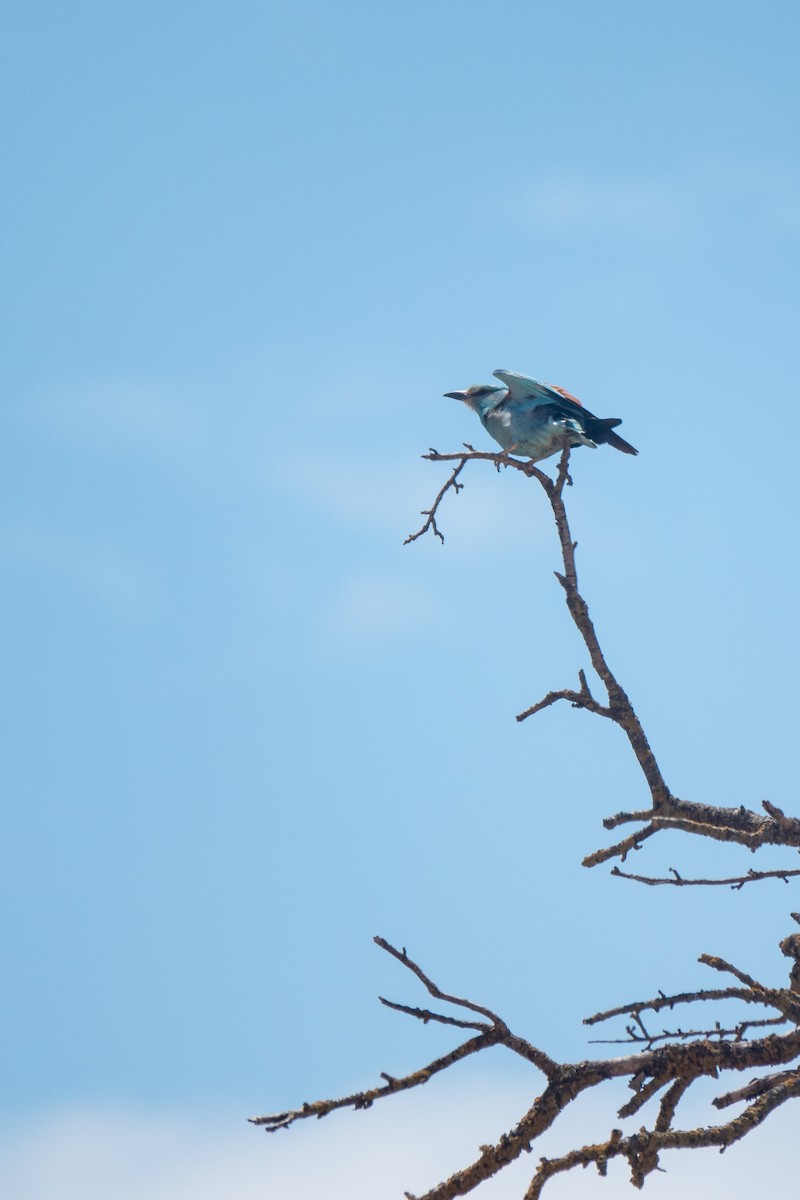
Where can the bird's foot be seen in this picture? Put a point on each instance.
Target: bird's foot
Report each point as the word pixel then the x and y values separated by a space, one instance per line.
pixel 504 457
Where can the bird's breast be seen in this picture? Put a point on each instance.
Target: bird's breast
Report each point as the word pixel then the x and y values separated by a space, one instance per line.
pixel 498 422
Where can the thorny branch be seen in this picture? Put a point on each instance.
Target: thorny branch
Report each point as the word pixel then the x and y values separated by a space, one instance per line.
pixel 663 1064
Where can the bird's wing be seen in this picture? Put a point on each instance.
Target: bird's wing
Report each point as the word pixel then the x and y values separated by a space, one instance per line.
pixel 568 395
pixel 522 387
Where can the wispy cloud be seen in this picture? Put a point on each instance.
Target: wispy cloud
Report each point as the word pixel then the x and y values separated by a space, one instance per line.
pixel 411 1142
pixel 665 205
pixel 134 1155
pixel 109 578
pixel 570 202
pixel 361 491
pixel 293 446
pixel 191 436
pixel 103 412
pixel 372 605
pixel 391 495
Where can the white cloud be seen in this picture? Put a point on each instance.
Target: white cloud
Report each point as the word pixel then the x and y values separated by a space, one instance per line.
pixel 407 1143
pixel 96 1154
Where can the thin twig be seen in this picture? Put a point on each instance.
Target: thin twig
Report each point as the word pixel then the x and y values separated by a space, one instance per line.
pixel 425 1015
pixel 657 1003
pixel 430 513
pixel 756 1088
pixel 735 882
pixel 519 1045
pixel 666 1061
pixel 365 1099
pixel 735 1033
pixel 642 1149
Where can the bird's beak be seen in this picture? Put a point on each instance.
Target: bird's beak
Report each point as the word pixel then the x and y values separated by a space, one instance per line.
pixel 456 395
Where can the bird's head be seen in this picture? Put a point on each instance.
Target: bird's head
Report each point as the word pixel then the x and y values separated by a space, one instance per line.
pixel 480 397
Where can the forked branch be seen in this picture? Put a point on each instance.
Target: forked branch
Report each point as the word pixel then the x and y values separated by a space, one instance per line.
pixel 670 1069
pixel 663 1064
pixel 665 810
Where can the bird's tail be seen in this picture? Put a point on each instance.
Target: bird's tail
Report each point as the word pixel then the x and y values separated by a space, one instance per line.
pixel 601 429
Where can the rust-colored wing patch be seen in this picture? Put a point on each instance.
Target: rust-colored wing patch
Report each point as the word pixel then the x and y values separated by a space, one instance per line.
pixel 564 392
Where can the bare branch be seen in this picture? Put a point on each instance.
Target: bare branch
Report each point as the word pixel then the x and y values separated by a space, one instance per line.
pixel 661 1002
pixel 461 459
pixel 735 882
pixel 623 848
pixel 425 1015
pixel 674 1066
pixel 736 1033
pixel 644 1094
pixel 402 957
pixel 720 964
pixel 738 825
pixel 365 1099
pixel 621 709
pixel 642 1149
pixel 665 1063
pixel 504 1035
pixel 430 513
pixel 669 1103
pixel 667 811
pixel 580 699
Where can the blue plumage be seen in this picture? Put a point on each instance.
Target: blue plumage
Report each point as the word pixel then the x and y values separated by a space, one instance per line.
pixel 536 419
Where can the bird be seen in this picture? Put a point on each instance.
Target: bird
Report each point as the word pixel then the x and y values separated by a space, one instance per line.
pixel 537 419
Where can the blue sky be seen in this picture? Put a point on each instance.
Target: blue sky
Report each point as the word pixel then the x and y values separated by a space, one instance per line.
pixel 247 249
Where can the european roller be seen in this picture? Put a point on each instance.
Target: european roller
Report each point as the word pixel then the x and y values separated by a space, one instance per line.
pixel 536 419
